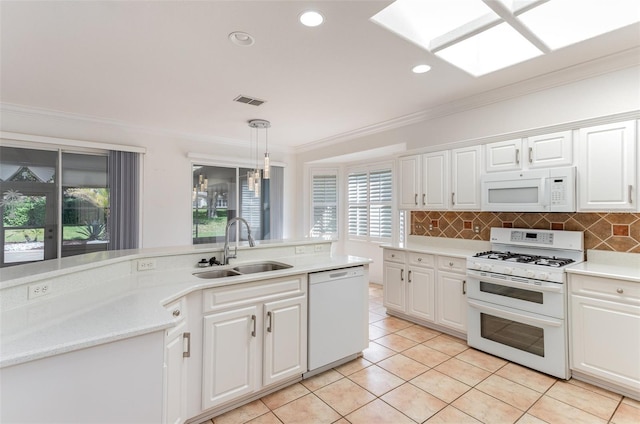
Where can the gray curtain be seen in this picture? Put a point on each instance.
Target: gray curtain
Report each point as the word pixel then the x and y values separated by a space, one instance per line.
pixel 124 171
pixel 276 187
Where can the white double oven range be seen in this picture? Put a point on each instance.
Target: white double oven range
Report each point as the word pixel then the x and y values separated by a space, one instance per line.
pixel 517 297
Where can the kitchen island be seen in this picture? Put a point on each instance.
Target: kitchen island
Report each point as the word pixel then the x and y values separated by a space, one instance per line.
pixel 98 333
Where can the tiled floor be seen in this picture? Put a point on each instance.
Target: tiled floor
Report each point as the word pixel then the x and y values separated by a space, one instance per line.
pixel 411 374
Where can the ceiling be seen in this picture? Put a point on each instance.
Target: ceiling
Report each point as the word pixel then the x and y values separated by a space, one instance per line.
pixel 169 66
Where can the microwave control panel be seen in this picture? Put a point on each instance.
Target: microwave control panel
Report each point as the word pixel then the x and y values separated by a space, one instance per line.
pixel 558 191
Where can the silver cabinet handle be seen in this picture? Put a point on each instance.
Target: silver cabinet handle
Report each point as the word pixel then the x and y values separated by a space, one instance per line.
pixel 630 194
pixel 518 156
pixel 453 202
pixel 620 291
pixel 530 154
pixel 270 318
pixel 176 313
pixel 253 318
pixel 464 286
pixel 402 275
pixel 187 337
pixel 409 280
pixel 424 199
pixel 415 198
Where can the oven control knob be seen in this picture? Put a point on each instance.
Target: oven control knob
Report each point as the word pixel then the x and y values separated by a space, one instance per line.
pixel 508 270
pixel 530 274
pixel 543 276
pixel 486 267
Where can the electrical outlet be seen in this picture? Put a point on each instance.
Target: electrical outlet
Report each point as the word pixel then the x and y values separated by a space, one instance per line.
pixel 477 229
pixel 317 248
pixel 37 290
pixel 146 264
pixel 299 250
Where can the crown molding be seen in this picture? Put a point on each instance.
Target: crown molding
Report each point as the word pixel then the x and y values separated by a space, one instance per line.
pixel 600 66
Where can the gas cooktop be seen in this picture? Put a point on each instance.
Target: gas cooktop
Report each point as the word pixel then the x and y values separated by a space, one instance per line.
pixel 551 261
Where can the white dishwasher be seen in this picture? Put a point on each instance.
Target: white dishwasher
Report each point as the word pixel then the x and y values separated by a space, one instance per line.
pixel 338 316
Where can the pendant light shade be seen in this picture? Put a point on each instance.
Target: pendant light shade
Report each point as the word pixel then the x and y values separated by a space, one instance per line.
pixel 259 124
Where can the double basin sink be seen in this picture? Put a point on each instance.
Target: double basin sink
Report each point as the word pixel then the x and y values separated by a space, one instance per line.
pixel 243 269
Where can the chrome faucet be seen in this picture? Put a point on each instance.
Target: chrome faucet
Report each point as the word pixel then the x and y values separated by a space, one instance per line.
pixel 226 256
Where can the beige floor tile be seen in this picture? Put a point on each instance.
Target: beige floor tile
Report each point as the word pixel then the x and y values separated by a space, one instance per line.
pixel 588 401
pixel 286 395
pixel 463 371
pixel 402 366
pixel 596 389
pixel 439 385
pixel 413 402
pixel 418 333
pixel 268 418
pixel 451 415
pixel 376 380
pixel 530 419
pixel 553 411
pixel 376 352
pixel 526 377
pixel 482 360
pixel 321 380
pixel 243 413
pixel 426 355
pixel 378 412
pixel 352 366
pixel 447 344
pixel 626 414
pixel 308 409
pixel 378 309
pixel 344 396
pixel 395 342
pixel 393 324
pixel 377 332
pixel 509 392
pixel 373 317
pixel 486 408
pixel 632 402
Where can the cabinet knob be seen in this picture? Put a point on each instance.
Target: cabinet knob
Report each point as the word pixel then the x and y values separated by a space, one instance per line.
pixel 419 259
pixel 620 291
pixel 450 263
pixel 393 255
pixel 176 313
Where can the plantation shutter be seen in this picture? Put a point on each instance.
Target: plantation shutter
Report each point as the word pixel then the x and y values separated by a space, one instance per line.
pixel 325 205
pixel 358 221
pixel 380 199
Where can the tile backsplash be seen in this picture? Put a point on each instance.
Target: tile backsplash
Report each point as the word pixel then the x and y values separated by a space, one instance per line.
pixel 618 232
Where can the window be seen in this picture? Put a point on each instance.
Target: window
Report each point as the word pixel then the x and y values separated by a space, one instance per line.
pixel 324 203
pixel 369 211
pixel 222 193
pixel 41 189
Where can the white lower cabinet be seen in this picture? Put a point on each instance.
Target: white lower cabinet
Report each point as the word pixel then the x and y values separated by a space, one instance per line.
pixel 414 288
pixel 177 350
pixel 255 335
pixel 605 332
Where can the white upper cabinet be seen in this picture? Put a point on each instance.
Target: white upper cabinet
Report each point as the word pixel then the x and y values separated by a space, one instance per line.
pixel 540 151
pixel 410 179
pixel 607 167
pixel 465 178
pixel 435 181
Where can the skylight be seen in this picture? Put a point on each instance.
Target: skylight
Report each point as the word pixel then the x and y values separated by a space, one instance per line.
pixel 483 36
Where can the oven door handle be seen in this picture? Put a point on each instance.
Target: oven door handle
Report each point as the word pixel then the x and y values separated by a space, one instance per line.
pixel 511 283
pixel 514 316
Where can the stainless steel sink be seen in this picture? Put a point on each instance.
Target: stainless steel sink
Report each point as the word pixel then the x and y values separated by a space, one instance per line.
pixel 217 273
pixel 243 269
pixel 261 267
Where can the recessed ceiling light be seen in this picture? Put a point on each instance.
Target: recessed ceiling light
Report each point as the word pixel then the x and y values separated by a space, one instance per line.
pixel 311 18
pixel 421 69
pixel 241 38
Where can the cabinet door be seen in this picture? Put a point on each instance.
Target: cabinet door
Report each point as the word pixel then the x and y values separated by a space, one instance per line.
pixel 605 340
pixel 451 301
pixel 229 357
pixel 606 167
pixel 421 292
pixel 393 291
pixel 409 181
pixel 504 155
pixel 435 180
pixel 465 182
pixel 285 342
pixel 549 150
pixel 175 401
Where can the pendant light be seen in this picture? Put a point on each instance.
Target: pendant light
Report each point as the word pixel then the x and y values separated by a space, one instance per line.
pixel 251 173
pixel 259 124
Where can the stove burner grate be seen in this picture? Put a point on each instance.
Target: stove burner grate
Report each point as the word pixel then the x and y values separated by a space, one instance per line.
pixel 522 258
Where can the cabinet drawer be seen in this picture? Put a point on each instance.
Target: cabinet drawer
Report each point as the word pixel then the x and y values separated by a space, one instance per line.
pixel 605 288
pixel 178 309
pixel 452 264
pixel 421 259
pixel 394 255
pixel 240 294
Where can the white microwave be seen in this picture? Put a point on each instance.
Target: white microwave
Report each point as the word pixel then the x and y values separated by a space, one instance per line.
pixel 541 190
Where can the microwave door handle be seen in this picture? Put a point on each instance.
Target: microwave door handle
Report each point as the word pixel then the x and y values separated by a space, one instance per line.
pixel 544 201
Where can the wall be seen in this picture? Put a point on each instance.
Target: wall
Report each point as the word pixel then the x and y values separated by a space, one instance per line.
pixel 166 210
pixel 602 231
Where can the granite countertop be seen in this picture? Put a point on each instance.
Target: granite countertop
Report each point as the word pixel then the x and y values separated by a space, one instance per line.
pixel 122 307
pixel 616 265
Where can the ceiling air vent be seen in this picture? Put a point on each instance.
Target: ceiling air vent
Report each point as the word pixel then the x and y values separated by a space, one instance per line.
pixel 248 100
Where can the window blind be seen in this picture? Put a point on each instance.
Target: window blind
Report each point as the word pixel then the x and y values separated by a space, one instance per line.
pixel 324 204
